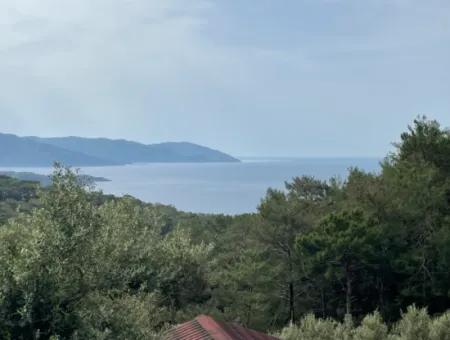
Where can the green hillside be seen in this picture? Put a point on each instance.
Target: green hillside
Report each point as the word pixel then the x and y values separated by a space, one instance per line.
pixel 365 258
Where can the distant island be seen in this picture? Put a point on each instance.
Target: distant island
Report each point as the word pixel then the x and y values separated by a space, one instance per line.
pixel 78 151
pixel 46 180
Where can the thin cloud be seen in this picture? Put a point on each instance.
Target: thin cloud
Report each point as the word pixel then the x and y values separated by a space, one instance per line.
pixel 246 77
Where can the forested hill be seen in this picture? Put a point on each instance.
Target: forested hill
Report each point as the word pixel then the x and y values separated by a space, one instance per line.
pixel 125 152
pixel 77 151
pixel 16 196
pixel 45 180
pixel 17 151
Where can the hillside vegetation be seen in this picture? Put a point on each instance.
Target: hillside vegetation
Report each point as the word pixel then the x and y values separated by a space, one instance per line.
pixel 46 180
pixel 335 259
pixel 15 196
pixel 77 151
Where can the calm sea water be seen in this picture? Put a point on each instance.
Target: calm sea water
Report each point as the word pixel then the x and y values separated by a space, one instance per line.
pixel 228 188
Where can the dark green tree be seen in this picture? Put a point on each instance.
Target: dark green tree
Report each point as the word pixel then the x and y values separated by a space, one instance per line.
pixel 342 248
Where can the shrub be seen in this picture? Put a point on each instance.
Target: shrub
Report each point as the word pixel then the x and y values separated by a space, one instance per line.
pixel 371 328
pixel 415 324
pixel 440 327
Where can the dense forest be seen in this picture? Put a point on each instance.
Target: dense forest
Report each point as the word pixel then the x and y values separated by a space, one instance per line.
pixel 367 257
pixel 16 195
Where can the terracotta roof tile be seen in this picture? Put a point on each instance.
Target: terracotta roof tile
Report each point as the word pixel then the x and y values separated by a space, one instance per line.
pixel 206 328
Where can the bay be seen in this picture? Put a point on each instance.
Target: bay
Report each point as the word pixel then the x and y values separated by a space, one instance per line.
pixel 228 188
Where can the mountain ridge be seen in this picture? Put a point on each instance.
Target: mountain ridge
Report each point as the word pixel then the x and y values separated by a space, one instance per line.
pixel 18 151
pixel 80 151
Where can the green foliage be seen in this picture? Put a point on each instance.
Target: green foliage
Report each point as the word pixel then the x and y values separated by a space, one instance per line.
pixel 425 141
pixel 284 215
pixel 77 264
pixel 15 189
pixel 342 248
pixel 371 328
pixel 72 269
pixel 16 195
pixel 124 316
pixel 440 327
pixel 415 324
pixel 311 328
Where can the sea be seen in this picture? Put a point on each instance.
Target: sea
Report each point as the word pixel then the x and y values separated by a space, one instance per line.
pixel 220 188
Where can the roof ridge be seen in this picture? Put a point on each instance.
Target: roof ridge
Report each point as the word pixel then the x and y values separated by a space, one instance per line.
pixel 213 327
pixel 205 327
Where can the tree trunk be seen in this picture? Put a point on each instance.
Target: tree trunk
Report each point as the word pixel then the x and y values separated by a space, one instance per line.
pixel 291 303
pixel 380 285
pixel 348 293
pixel 322 300
pixel 291 290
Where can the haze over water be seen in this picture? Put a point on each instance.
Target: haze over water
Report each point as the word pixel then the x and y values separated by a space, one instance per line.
pixel 228 188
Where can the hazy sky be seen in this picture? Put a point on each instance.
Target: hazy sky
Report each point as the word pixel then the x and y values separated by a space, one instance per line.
pixel 250 77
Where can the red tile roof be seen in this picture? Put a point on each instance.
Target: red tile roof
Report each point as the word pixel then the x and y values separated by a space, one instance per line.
pixel 206 328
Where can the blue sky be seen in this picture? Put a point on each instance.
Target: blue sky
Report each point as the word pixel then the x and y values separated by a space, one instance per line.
pixel 308 78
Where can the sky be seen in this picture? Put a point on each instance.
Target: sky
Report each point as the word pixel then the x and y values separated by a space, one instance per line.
pixel 297 78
